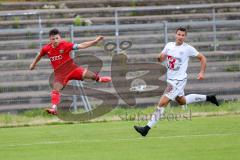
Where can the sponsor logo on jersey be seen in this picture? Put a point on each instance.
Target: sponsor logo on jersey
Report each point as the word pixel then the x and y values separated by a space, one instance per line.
pixel 61 51
pixel 55 58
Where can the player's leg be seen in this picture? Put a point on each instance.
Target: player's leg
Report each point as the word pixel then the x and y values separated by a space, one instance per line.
pixel 156 116
pixel 193 98
pixel 174 89
pixel 163 102
pixel 55 97
pixel 170 94
pixel 60 82
pixel 94 76
pixel 83 73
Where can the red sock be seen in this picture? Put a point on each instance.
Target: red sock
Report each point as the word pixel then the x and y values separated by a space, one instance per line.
pixel 55 97
pixel 104 79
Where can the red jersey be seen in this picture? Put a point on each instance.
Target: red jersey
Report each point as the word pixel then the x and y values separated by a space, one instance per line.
pixel 59 55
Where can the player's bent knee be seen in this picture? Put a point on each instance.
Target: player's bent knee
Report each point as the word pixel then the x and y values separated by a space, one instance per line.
pixel 84 73
pixel 57 86
pixel 181 103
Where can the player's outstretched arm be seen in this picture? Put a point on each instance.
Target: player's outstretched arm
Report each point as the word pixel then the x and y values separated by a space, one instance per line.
pixel 162 57
pixel 90 43
pixel 203 62
pixel 34 63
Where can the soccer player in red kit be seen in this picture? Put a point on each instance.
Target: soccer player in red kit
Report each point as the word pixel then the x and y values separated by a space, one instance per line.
pixel 58 51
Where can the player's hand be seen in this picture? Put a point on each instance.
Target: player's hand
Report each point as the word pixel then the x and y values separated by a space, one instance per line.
pixel 99 38
pixel 32 66
pixel 162 57
pixel 201 76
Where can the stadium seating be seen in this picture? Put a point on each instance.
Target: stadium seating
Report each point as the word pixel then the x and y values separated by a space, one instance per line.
pixel 19 42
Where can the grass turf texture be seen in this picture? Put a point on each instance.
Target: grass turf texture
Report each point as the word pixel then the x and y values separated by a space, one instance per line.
pixel 215 138
pixel 40 117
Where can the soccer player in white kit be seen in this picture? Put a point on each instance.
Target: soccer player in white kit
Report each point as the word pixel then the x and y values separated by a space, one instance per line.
pixel 175 57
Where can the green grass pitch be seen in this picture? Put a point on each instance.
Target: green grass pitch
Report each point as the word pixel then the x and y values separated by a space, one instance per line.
pixel 202 138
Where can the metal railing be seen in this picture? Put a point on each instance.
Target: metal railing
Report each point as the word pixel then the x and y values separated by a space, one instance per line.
pixel 164 27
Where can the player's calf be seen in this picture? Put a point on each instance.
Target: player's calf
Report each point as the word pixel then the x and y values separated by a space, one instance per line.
pixel 55 99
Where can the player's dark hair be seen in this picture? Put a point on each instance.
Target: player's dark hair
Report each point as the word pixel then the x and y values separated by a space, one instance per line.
pixel 53 32
pixel 181 29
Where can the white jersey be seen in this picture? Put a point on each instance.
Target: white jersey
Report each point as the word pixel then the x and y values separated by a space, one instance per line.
pixel 177 59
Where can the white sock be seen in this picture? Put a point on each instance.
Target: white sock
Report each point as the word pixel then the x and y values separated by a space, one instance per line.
pixel 54 106
pixel 156 116
pixel 191 98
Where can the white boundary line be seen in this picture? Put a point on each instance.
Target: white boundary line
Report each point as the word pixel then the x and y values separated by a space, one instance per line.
pixel 117 140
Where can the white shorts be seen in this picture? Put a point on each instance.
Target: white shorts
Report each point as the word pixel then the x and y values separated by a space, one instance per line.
pixel 175 88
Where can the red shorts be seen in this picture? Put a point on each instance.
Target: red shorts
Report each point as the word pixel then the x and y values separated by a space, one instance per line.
pixel 74 74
